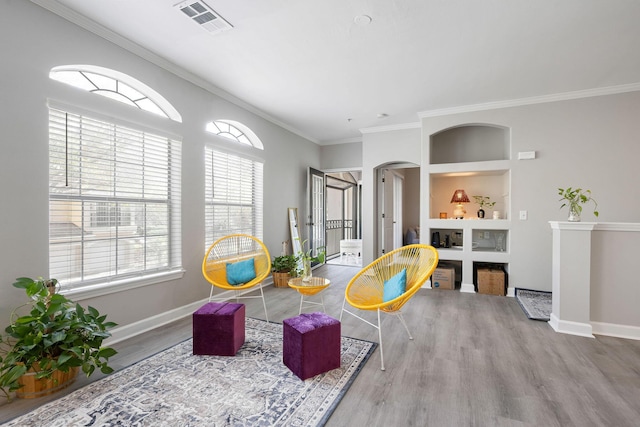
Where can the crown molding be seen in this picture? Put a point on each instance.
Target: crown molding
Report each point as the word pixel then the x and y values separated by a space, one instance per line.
pixel 342 141
pixel 391 128
pixel 564 96
pixel 115 38
pixel 103 32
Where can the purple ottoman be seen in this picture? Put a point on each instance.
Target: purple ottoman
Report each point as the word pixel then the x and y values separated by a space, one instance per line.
pixel 218 329
pixel 311 344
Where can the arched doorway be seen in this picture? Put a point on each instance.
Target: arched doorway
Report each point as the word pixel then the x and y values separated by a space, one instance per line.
pixel 398 204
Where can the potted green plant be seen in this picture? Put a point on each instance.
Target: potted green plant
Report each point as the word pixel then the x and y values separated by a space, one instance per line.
pixel 283 267
pixel 574 198
pixel 46 346
pixel 306 259
pixel 483 201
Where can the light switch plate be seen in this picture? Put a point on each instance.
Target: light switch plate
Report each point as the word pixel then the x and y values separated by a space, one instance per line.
pixel 523 215
pixel 526 155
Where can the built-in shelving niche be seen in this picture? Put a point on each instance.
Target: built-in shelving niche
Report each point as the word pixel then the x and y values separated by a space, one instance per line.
pixel 476 158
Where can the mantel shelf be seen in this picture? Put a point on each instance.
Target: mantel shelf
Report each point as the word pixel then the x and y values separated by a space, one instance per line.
pixel 490 224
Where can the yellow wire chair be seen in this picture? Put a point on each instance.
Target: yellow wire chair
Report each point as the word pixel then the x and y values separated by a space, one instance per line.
pixel 231 249
pixel 365 290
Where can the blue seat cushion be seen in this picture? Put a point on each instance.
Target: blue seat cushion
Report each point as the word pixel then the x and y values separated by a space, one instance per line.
pixel 241 272
pixel 395 286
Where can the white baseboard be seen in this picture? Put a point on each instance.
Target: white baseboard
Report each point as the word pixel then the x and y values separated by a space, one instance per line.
pixel 131 330
pixel 618 331
pixel 571 328
pixel 122 333
pixel 468 288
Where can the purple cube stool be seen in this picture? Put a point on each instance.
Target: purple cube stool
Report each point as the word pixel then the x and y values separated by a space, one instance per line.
pixel 218 329
pixel 311 344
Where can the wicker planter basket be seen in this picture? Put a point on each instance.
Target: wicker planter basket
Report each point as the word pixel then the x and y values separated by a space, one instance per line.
pixel 33 387
pixel 281 280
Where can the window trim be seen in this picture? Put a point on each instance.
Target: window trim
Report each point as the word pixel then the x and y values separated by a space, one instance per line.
pixel 100 289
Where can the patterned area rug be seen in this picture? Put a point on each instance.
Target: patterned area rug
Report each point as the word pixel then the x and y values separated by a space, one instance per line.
pixel 176 388
pixel 535 304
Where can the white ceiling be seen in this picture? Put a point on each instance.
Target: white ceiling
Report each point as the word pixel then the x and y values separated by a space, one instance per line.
pixel 309 65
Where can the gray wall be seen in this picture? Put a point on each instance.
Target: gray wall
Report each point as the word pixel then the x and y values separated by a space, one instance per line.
pixel 590 143
pixel 411 198
pixel 342 157
pixel 382 149
pixel 29 52
pixel 615 289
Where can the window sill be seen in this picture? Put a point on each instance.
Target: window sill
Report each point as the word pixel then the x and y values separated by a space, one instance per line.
pixel 101 289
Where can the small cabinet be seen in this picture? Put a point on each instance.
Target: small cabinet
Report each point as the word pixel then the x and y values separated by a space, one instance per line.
pixel 471 242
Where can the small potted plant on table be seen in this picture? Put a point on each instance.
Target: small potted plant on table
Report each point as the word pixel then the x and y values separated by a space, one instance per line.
pixel 306 261
pixel 574 198
pixel 43 350
pixel 483 201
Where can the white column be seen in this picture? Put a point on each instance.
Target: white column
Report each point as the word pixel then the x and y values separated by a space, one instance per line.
pixel 571 278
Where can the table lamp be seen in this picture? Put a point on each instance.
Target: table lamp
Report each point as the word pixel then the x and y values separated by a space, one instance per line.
pixel 459 197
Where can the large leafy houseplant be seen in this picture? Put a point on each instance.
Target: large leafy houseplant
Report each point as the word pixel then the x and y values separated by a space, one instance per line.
pixel 574 198
pixel 56 334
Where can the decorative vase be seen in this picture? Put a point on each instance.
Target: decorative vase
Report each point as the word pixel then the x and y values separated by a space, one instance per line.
pixel 480 213
pixel 306 270
pixel 574 213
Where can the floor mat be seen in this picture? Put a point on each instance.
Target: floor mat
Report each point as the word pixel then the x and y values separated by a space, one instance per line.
pixel 535 304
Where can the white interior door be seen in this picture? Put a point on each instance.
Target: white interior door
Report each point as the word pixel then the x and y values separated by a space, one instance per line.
pixel 390 187
pixel 398 183
pixel 387 211
pixel 316 213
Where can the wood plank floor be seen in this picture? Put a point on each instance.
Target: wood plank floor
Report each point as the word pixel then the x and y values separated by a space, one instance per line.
pixel 475 360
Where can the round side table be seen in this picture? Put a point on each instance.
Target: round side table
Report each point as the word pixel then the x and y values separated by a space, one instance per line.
pixel 312 287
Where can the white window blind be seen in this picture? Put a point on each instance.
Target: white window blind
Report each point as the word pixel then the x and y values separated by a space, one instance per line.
pixel 114 201
pixel 233 195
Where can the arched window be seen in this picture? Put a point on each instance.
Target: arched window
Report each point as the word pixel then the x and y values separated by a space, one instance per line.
pixel 235 131
pixel 115 85
pixel 114 187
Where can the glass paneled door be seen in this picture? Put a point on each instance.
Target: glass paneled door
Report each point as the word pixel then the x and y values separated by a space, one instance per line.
pixel 341 210
pixel 316 213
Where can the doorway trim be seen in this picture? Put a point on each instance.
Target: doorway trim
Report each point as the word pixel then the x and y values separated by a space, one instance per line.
pixel 379 201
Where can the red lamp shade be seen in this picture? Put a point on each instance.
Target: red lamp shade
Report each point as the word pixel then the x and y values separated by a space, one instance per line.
pixel 459 196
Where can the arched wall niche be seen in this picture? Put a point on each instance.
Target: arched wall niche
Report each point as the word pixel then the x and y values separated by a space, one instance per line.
pixel 470 143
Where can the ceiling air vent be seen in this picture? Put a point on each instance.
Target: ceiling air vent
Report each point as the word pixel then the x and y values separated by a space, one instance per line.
pixel 204 16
